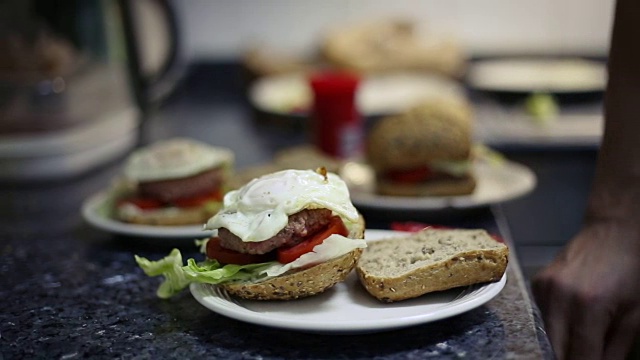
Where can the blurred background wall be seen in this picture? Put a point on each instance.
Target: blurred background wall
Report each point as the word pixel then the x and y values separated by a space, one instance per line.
pixel 221 29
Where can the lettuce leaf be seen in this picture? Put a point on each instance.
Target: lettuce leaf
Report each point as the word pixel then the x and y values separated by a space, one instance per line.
pixel 177 276
pixel 455 168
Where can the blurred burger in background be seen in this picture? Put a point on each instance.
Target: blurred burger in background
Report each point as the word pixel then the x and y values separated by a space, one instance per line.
pixel 425 151
pixel 178 181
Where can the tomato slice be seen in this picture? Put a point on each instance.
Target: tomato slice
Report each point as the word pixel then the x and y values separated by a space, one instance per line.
pixel 335 226
pixel 412 175
pixel 226 256
pixel 198 200
pixel 412 226
pixel 143 203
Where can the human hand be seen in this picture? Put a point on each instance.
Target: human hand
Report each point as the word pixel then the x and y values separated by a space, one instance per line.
pixel 590 294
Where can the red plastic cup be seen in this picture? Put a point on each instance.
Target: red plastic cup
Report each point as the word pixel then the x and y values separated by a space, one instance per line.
pixel 336 122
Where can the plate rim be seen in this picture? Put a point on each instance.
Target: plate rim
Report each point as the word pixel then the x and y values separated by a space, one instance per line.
pixel 481 86
pixel 386 202
pixel 91 215
pixel 473 300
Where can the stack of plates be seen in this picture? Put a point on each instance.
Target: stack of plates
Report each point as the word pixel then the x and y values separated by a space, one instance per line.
pixel 69 151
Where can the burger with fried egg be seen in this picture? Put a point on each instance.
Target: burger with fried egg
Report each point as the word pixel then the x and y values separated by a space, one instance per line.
pixel 283 236
pixel 179 181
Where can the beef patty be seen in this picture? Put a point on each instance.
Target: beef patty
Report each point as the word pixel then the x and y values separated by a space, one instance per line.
pixel 176 189
pixel 301 225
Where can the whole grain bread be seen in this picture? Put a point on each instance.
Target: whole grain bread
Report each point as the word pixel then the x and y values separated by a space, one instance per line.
pixel 434 130
pixel 305 282
pixel 306 157
pixel 412 265
pixel 300 157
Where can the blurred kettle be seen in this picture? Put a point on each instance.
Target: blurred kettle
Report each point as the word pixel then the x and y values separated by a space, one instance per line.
pixel 77 78
pixel 49 38
pixel 151 35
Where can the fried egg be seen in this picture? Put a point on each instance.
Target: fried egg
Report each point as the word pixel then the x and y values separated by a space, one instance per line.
pixel 260 209
pixel 175 158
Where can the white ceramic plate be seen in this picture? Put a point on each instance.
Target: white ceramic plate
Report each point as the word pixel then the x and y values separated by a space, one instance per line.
pixel 91 212
pixel 569 75
pixel 347 307
pixel 495 183
pixel 291 95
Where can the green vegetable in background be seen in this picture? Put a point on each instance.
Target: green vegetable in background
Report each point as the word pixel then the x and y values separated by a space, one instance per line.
pixel 542 107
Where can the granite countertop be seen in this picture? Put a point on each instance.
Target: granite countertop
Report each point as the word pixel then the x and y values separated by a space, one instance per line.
pixel 71 291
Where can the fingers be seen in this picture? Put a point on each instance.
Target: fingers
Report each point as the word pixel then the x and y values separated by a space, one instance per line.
pixel 621 335
pixel 557 331
pixel 576 321
pixel 554 313
pixel 588 327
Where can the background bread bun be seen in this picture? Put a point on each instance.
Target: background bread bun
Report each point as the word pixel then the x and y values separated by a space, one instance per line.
pixel 305 157
pixel 301 283
pixel 300 157
pixel 436 129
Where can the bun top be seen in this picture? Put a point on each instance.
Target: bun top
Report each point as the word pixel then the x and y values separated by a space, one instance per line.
pixel 434 130
pixel 174 159
pixel 306 157
pixel 261 208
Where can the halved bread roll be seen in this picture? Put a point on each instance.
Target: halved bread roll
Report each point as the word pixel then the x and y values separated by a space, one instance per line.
pixel 412 265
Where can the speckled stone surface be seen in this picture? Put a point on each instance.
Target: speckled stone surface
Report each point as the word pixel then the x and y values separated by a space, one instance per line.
pixel 98 305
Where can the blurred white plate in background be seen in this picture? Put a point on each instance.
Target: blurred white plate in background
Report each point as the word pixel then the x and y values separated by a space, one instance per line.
pixel 523 75
pixel 496 183
pixel 378 95
pixel 94 212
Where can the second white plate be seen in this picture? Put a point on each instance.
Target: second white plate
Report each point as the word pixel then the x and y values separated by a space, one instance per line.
pixel 495 183
pixel 347 307
pixel 94 214
pixel 560 76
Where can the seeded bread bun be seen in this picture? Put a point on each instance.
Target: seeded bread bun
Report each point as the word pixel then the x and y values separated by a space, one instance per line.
pixel 436 129
pixel 305 157
pixel 302 282
pixel 300 157
pixel 436 132
pixel 431 260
